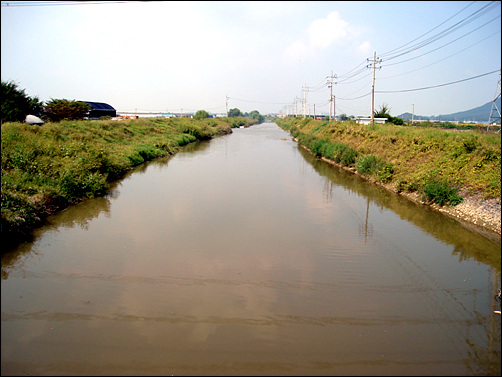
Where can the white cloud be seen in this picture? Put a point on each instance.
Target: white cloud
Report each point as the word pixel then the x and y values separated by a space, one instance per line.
pixel 323 32
pixel 297 50
pixel 364 47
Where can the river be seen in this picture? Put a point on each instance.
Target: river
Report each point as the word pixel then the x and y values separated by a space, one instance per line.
pixel 245 255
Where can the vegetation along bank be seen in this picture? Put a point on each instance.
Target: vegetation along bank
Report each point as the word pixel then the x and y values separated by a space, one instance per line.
pixel 457 173
pixel 49 167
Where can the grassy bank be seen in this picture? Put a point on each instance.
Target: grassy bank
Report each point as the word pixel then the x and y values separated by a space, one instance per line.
pixel 441 165
pixel 47 168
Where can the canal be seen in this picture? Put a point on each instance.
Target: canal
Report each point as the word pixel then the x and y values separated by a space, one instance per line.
pixel 245 255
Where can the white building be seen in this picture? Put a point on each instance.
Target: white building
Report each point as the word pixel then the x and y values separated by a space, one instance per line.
pixel 367 120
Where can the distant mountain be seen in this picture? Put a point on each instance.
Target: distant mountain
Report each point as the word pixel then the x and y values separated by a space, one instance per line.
pixel 477 114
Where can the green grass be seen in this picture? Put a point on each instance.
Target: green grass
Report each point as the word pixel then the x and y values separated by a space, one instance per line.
pixel 408 158
pixel 48 167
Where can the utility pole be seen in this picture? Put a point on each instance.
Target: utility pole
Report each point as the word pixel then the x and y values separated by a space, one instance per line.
pixel 304 102
pixel 334 109
pixel 373 64
pixel 226 102
pixel 330 86
pixel 412 114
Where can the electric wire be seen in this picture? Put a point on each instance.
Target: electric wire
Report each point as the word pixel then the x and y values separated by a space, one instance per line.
pixel 351 82
pixel 13 4
pixel 444 33
pixel 350 99
pixel 456 53
pixel 436 86
pixel 353 69
pixel 446 44
pixel 353 75
pixel 268 103
pixel 398 48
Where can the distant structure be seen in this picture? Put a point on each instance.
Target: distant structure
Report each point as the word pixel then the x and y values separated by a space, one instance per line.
pixel 99 109
pixel 368 120
pixel 495 111
pixel 32 119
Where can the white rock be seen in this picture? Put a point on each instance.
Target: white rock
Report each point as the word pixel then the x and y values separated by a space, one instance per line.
pixel 32 119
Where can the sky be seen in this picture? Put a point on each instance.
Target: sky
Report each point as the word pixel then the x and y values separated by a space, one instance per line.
pixel 286 57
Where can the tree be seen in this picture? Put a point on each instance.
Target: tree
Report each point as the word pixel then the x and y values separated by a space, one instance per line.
pixel 235 112
pixel 16 104
pixel 255 114
pixel 384 112
pixel 58 109
pixel 201 114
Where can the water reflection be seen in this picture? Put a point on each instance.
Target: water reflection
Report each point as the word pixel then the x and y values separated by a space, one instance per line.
pixel 467 244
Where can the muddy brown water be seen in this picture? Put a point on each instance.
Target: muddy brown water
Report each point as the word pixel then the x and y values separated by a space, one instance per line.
pixel 245 255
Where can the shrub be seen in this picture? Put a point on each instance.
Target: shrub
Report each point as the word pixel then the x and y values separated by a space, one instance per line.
pixel 469 144
pixel 386 172
pixel 15 104
pixel 201 114
pixel 235 112
pixel 238 123
pixel 348 156
pixel 344 154
pixel 319 145
pixel 58 109
pixel 307 140
pixel 367 164
pixel 374 166
pixel 441 192
pixel 305 122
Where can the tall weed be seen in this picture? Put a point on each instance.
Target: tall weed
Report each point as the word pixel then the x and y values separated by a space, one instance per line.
pixel 442 192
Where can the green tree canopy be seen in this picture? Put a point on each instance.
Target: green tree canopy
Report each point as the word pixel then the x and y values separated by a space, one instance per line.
pixel 201 114
pixel 255 114
pixel 235 112
pixel 16 104
pixel 58 109
pixel 384 112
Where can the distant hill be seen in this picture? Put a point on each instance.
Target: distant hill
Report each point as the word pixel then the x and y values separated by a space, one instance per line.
pixel 477 114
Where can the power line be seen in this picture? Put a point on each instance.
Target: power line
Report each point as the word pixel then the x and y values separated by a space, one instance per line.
pixel 266 103
pixel 456 53
pixel 351 82
pixel 350 99
pixel 445 32
pixel 363 69
pixel 446 44
pixel 397 48
pixel 14 4
pixel 435 86
pixel 347 76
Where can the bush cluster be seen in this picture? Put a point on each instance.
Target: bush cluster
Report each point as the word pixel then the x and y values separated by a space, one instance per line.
pixel 372 165
pixel 339 152
pixel 441 192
